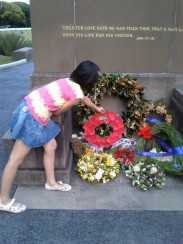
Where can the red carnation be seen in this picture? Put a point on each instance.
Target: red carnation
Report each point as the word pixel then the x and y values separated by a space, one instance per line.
pixel 125 155
pixel 145 132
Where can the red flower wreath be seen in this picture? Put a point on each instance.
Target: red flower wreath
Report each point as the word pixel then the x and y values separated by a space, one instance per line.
pixel 111 118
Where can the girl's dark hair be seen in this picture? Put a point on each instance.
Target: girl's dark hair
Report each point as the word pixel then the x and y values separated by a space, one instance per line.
pixel 86 75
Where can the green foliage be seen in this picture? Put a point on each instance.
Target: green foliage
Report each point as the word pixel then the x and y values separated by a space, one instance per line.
pixel 125 87
pixel 11 14
pixel 8 43
pixel 11 41
pixel 26 10
pixel 172 136
pixel 145 176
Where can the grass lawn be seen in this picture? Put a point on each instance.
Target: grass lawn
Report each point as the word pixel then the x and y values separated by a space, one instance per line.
pixel 5 59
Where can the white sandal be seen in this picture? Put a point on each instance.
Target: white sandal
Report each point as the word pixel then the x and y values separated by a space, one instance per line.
pixel 13 209
pixel 65 187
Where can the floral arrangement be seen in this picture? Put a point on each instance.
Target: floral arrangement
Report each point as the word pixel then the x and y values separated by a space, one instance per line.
pixel 109 118
pixel 125 156
pixel 145 132
pixel 145 176
pixel 161 158
pixel 161 109
pixel 96 167
pixel 164 136
pixel 126 88
pixel 125 143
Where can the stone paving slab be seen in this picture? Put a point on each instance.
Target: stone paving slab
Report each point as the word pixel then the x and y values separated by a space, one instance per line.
pixel 116 195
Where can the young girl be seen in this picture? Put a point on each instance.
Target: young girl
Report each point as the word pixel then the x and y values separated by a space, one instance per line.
pixel 31 126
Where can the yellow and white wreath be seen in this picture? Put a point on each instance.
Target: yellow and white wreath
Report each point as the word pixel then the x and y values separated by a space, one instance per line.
pixel 96 167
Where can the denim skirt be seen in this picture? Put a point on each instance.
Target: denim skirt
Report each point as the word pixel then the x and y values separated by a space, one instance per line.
pixel 26 129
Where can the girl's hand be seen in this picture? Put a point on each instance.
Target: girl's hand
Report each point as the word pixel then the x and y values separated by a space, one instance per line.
pixel 90 104
pixel 100 110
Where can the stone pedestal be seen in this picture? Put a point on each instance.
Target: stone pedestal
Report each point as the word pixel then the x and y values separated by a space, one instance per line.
pixel 23 53
pixel 32 171
pixel 177 108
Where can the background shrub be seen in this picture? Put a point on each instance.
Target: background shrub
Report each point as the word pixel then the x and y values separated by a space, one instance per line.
pixel 11 41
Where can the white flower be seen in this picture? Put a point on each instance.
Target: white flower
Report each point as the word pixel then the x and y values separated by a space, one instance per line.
pixel 104 181
pixel 99 174
pixel 112 173
pixel 74 136
pixel 153 170
pixel 79 137
pixel 91 178
pixel 136 168
pixel 153 150
pixel 83 168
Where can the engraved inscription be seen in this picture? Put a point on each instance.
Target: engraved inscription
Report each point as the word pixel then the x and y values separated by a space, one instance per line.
pixel 138 33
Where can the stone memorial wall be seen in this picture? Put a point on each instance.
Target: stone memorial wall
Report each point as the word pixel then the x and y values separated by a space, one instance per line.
pixel 120 35
pixel 139 37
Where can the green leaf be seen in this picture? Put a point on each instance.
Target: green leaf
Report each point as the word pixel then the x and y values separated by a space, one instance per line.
pixel 133 182
pixel 159 186
pixel 103 118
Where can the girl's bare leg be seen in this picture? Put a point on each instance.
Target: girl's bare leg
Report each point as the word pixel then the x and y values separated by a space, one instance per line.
pixel 49 161
pixel 18 154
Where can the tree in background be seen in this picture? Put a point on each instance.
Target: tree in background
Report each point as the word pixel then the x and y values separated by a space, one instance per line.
pixel 26 10
pixel 11 14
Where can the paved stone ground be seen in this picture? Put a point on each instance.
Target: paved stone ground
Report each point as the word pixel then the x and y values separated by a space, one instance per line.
pixel 117 195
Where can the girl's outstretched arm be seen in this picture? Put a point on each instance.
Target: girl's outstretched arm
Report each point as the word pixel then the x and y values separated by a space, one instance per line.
pixel 66 106
pixel 89 103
